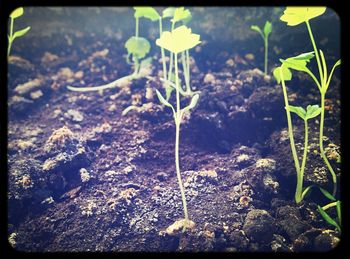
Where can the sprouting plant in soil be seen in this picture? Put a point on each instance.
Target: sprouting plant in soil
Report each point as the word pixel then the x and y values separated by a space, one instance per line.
pixel 333 203
pixel 13 35
pixel 265 35
pixel 295 16
pixel 178 41
pixel 137 47
pixel 283 74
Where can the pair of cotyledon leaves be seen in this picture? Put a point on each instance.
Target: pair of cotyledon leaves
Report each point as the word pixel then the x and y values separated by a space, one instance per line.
pixel 265 32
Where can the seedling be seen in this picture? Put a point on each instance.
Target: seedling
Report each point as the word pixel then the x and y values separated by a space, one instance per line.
pixel 178 41
pixel 294 16
pixel 283 74
pixel 265 35
pixel 137 48
pixel 334 203
pixel 12 36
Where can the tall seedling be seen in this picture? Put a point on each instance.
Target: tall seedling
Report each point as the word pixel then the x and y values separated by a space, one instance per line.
pixel 178 41
pixel 294 16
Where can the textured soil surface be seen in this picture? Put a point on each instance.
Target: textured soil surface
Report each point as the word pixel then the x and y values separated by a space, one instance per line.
pixel 83 177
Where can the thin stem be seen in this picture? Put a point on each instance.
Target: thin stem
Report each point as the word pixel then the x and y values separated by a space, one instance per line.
pixel 300 177
pixel 10 38
pixel 266 51
pixel 177 141
pixel 290 131
pixel 162 49
pixel 316 51
pixel 184 68
pixel 137 28
pixel 188 70
pixel 323 155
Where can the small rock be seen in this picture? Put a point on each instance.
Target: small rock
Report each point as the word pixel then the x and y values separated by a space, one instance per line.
pixel 259 226
pixel 84 175
pixel 48 58
pixel 250 56
pixel 326 241
pixel 36 95
pixel 178 226
pixel 28 86
pixel 209 78
pixel 266 165
pixel 74 115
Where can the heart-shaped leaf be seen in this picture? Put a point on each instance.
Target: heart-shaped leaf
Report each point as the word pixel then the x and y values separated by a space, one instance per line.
pixel 296 15
pixel 287 75
pixel 20 32
pixel 300 111
pixel 267 29
pixel 312 111
pixel 146 12
pixel 17 13
pixel 137 46
pixel 180 39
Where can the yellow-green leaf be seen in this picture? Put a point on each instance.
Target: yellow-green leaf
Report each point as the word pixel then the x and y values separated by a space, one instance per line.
pixel 296 15
pixel 137 46
pixel 181 14
pixel 267 29
pixel 20 32
pixel 17 13
pixel 287 75
pixel 147 12
pixel 180 39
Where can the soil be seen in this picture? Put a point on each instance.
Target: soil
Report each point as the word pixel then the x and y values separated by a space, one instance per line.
pixel 83 177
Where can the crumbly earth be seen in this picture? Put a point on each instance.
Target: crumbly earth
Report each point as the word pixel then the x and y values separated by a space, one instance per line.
pixel 83 177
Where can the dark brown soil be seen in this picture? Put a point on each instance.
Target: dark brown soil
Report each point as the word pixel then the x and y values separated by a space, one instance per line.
pixel 82 177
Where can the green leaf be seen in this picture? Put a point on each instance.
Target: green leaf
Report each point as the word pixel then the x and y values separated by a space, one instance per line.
pixel 267 29
pixel 137 46
pixel 327 194
pixel 287 75
pixel 257 29
pixel 306 191
pixel 20 32
pixel 17 13
pixel 194 101
pixel 181 14
pixel 300 111
pixel 298 62
pixel 168 12
pixel 146 12
pixel 327 218
pixel 312 111
pixel 168 91
pixel 296 15
pixel 339 211
pixel 162 100
pixel 178 40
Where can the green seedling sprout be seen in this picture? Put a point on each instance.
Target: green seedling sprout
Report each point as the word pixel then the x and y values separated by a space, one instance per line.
pixel 334 203
pixel 265 35
pixel 137 48
pixel 178 41
pixel 12 36
pixel 294 16
pixel 283 74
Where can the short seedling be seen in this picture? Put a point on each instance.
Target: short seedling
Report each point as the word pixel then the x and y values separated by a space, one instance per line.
pixel 283 74
pixel 178 41
pixel 265 36
pixel 334 203
pixel 12 36
pixel 297 15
